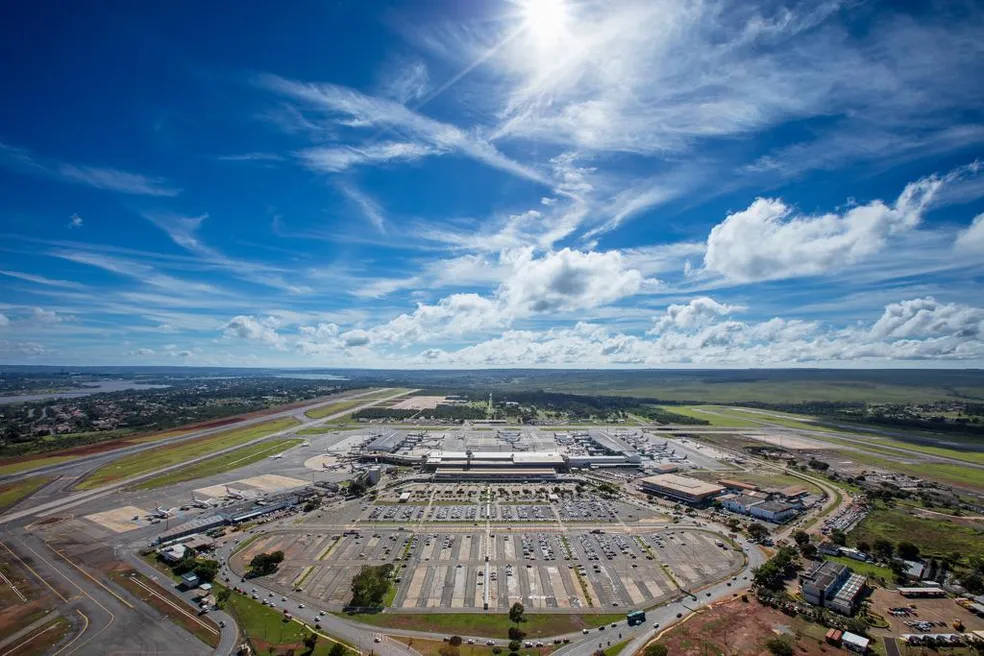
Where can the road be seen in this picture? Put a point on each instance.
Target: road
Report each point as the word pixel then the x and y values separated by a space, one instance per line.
pixel 79 498
pixel 87 463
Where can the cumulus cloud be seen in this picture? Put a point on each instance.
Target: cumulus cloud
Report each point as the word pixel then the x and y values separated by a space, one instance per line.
pixel 75 221
pixel 253 329
pixel 142 352
pixel 566 280
pixel 927 317
pixel 770 241
pixel 971 239
pixel 697 312
pixel 43 317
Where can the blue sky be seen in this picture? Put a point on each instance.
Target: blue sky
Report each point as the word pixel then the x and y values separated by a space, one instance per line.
pixel 555 183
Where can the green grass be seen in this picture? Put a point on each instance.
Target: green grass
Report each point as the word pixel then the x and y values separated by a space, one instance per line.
pixel 173 454
pixel 34 463
pixel 12 493
pixel 940 472
pixel 225 462
pixel 485 625
pixel 390 595
pixel 867 569
pixel 709 413
pixel 266 627
pixel 615 650
pixel 934 537
pixel 324 411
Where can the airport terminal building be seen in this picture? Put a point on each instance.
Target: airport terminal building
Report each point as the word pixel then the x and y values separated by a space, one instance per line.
pixel 685 489
pixel 519 466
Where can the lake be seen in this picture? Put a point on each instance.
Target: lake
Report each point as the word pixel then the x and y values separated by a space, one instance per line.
pixel 90 388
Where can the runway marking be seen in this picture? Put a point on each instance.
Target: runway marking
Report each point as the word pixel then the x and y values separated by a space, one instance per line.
pixel 81 633
pixel 90 577
pixel 31 570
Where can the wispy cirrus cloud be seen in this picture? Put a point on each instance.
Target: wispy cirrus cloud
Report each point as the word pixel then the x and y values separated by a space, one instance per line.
pixel 110 179
pixel 368 207
pixel 41 280
pixel 339 158
pixel 350 108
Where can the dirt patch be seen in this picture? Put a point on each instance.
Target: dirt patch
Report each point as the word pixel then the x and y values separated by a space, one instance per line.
pixel 419 403
pixel 736 627
pixel 932 610
pixel 120 520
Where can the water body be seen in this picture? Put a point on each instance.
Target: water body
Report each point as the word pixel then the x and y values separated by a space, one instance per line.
pixel 90 388
pixel 312 376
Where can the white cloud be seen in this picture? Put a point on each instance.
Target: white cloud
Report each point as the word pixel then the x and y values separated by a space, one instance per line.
pixel 565 280
pixel 927 317
pixel 45 317
pixel 251 157
pixel 114 180
pixel 353 109
pixel 30 349
pixel 253 329
pixel 971 239
pixel 340 158
pixel 770 241
pixel 698 312
pixel 142 352
pixel 41 280
pixel 405 81
pixel 75 221
pixel 4 321
pixel 369 208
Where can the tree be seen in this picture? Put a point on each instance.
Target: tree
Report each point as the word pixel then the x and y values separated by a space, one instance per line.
pixel 515 645
pixel 370 585
pixel 838 537
pixel 455 641
pixel 898 568
pixel 883 548
pixel 515 633
pixel 656 649
pixel 206 570
pixel 809 550
pixel 779 647
pixel 448 650
pixel 801 537
pixel 757 531
pixel 310 641
pixel 222 597
pixel 265 563
pixel 907 550
pixel 864 546
pixel 337 649
pixel 516 614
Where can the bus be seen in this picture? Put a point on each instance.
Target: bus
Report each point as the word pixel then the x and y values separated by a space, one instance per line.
pixel 635 617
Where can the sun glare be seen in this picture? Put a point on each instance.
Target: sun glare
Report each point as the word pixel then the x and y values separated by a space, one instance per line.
pixel 545 20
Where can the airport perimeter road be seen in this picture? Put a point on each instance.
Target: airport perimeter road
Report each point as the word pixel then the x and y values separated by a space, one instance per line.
pixel 110 617
pixel 89 495
pixel 85 463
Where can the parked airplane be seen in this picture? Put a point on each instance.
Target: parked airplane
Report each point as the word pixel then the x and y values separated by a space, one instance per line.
pixel 162 513
pixel 200 503
pixel 234 494
pixel 277 457
pixel 305 444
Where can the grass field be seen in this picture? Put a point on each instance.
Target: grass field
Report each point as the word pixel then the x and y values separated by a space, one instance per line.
pixel 33 463
pixel 944 473
pixel 43 640
pixel 711 413
pixel 268 631
pixel 491 626
pixel 11 493
pixel 147 461
pixel 766 479
pixel 934 537
pixel 226 462
pixel 341 406
pixel 867 569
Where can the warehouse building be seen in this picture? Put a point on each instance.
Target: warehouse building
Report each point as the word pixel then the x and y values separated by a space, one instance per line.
pixel 831 585
pixel 681 488
pixel 777 512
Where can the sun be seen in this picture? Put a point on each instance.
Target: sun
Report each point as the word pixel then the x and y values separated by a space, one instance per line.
pixel 545 20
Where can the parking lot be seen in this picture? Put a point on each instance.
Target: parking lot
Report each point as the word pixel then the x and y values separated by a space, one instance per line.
pixel 545 571
pixel 563 510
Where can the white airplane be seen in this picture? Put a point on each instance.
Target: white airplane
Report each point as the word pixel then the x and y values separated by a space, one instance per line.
pixel 200 503
pixel 234 494
pixel 305 444
pixel 163 513
pixel 277 457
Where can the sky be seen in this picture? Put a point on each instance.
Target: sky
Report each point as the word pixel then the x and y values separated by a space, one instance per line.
pixel 497 183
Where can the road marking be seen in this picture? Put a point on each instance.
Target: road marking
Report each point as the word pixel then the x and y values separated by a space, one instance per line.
pixel 89 576
pixel 81 633
pixel 31 570
pixel 175 606
pixel 36 635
